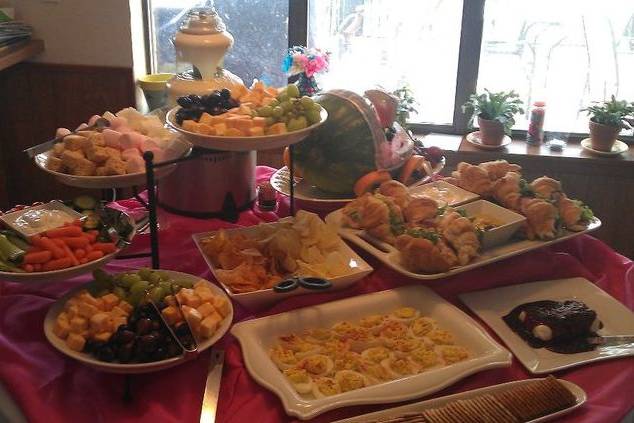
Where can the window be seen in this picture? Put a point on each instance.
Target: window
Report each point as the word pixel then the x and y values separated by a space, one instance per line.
pixel 565 52
pixel 259 29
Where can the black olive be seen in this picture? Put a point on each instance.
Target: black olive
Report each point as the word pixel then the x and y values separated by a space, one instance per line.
pixel 143 326
pixel 225 94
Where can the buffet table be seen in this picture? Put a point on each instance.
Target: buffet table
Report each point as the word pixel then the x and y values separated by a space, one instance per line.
pixel 47 386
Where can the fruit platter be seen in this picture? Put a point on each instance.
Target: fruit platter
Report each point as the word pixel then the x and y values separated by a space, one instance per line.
pixel 136 321
pixel 52 241
pixel 107 151
pixel 259 118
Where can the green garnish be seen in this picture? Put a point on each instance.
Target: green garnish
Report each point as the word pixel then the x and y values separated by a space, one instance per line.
pixel 397 226
pixel 586 212
pixel 525 189
pixel 462 212
pixel 441 210
pixel 422 233
pixel 355 216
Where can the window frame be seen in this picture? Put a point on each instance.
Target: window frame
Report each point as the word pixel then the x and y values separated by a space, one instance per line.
pixel 469 52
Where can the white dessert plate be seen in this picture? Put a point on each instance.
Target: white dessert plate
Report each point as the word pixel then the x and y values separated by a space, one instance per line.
pixel 256 299
pixel 70 272
pixel 475 139
pixel 444 193
pixel 492 304
pixel 619 147
pixel 258 335
pixel 311 195
pixel 390 256
pixel 229 143
pixel 418 407
pixel 178 148
pixel 59 344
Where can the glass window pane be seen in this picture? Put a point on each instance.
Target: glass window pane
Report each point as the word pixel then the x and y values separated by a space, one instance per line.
pixel 565 52
pixel 390 43
pixel 259 28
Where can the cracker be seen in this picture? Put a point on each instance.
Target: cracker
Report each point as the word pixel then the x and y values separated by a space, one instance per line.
pixel 498 410
pixel 457 410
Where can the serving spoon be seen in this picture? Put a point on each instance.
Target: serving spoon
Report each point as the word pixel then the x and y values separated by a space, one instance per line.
pixel 99 125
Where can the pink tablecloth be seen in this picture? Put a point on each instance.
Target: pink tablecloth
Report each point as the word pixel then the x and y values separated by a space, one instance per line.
pixel 48 387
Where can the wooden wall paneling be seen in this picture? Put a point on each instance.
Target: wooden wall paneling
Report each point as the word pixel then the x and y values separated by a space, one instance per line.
pixel 38 98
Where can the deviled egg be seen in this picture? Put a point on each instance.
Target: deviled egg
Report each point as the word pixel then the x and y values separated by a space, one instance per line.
pixel 404 314
pixel 298 345
pixel 373 322
pixel 341 329
pixel 325 387
pixel 400 367
pixel 453 353
pixel 376 354
pixel 318 335
pixel 402 346
pixel 299 379
pixel 441 337
pixel 425 357
pixel 360 339
pixel 283 358
pixel 317 364
pixel 392 330
pixel 349 380
pixel 349 360
pixel 422 326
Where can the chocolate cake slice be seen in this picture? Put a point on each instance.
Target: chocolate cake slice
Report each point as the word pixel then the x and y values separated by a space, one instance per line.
pixel 561 326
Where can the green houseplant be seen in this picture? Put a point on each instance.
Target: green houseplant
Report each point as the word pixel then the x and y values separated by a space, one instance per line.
pixel 406 105
pixel 607 119
pixel 495 113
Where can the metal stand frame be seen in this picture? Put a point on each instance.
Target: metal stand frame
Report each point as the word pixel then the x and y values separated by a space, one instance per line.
pixel 151 203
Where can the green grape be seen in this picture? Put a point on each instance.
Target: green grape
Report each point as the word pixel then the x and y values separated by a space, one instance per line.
pixel 164 275
pixel 278 112
pixel 292 90
pixel 144 273
pixel 274 103
pixel 119 292
pixel 129 279
pixel 313 116
pixel 296 124
pixel 282 97
pixel 154 278
pixel 166 285
pixel 140 286
pixel 265 111
pixel 176 287
pixel 136 297
pixel 269 121
pixel 286 106
pixel 102 293
pixel 186 283
pixel 306 102
pixel 157 294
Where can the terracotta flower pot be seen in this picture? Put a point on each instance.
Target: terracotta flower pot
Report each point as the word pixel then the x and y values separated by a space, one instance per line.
pixel 603 137
pixel 491 131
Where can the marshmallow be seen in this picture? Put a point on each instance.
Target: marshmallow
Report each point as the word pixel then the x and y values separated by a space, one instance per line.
pixel 118 122
pixel 148 144
pixel 112 138
pixel 61 132
pixel 82 126
pixel 93 120
pixel 132 140
pixel 130 153
pixel 135 164
pixel 543 332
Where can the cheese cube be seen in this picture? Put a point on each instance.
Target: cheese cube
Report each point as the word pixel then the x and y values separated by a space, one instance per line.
pixel 192 316
pixel 86 297
pixel 118 312
pixel 208 119
pixel 171 315
pixel 100 322
pixel 75 342
pixel 222 305
pixel 170 300
pixel 205 295
pixel 201 283
pixel 87 310
pixel 209 325
pixel 276 129
pixel 125 306
pixel 109 301
pixel 72 311
pixel 231 122
pixel 244 125
pixel 206 309
pixel 206 129
pixel 102 336
pixel 221 128
pixel 234 132
pixel 256 131
pixel 191 300
pixel 62 326
pixel 78 324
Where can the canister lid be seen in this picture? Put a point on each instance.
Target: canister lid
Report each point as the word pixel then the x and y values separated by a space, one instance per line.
pixel 202 21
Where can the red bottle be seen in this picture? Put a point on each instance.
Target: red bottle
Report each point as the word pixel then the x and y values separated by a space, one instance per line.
pixel 535 133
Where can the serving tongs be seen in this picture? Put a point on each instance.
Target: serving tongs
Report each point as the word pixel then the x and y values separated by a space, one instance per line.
pixel 189 349
pixel 99 125
pixel 117 225
pixel 611 340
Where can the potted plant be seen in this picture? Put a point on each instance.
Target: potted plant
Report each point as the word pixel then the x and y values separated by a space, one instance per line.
pixel 495 113
pixel 607 119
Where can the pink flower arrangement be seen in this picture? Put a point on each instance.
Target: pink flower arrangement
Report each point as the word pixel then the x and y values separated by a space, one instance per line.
pixel 309 61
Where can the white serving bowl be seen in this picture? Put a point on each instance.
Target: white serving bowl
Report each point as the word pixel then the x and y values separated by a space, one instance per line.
pixel 59 344
pixel 510 221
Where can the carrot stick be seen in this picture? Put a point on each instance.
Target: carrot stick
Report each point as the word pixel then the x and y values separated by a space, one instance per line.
pixel 88 248
pixel 105 247
pixel 76 222
pixel 48 244
pixel 80 253
pixel 70 254
pixel 37 267
pixel 37 257
pixel 94 255
pixel 83 260
pixel 75 241
pixel 28 267
pixel 58 264
pixel 91 235
pixel 35 249
pixel 62 232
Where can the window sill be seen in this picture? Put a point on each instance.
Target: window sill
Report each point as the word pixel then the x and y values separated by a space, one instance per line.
pixel 572 151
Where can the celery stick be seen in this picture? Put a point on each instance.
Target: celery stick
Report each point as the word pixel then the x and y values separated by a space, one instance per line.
pixel 10 251
pixel 7 267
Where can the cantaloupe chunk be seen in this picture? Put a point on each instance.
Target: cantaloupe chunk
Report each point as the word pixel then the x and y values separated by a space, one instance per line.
pixel 78 324
pixel 206 129
pixel 190 125
pixel 100 322
pixel 87 310
pixel 62 326
pixel 109 301
pixel 221 128
pixel 276 129
pixel 170 300
pixel 259 121
pixel 234 132
pixel 256 131
pixel 244 125
pixel 231 121
pixel 171 315
pixel 102 336
pixel 221 305
pixel 207 119
pixel 75 342
pixel 192 316
pixel 209 325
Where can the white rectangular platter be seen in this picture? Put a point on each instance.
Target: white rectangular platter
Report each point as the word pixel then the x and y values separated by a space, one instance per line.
pixel 258 335
pixel 358 269
pixel 418 407
pixel 490 305
pixel 391 257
